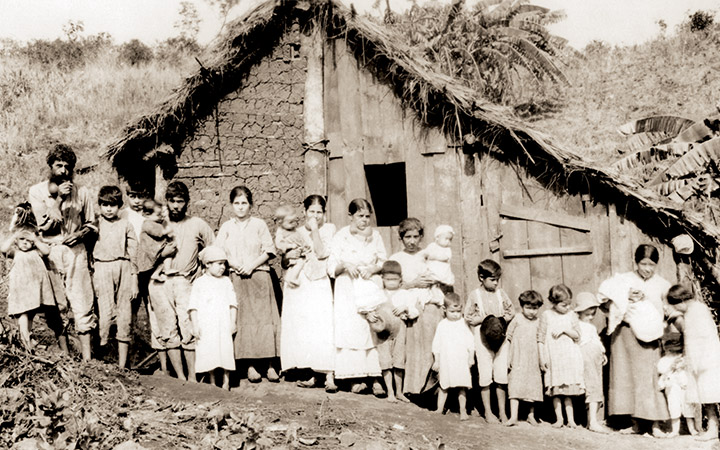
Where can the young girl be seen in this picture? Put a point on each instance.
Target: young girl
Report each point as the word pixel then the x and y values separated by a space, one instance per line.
pixel 702 351
pixel 248 245
pixel 453 349
pixel 489 300
pixel 29 283
pixel 288 238
pixel 560 357
pixel 593 353
pixel 524 378
pixel 213 312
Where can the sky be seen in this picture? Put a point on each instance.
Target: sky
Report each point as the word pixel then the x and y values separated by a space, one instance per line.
pixel 620 22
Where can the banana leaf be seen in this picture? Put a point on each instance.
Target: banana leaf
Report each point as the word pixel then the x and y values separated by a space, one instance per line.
pixel 642 141
pixel 671 125
pixel 681 190
pixel 699 132
pixel 647 156
pixel 668 187
pixel 695 160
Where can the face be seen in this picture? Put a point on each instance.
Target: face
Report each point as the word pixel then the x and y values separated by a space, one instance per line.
pixel 444 239
pixel 453 312
pixel 177 208
pixel 135 201
pixel 589 314
pixel 241 206
pixel 316 212
pixel 562 307
pixel 490 283
pixel 646 268
pixel 157 214
pixel 290 222
pixel 411 241
pixel 216 268
pixel 60 171
pixel 24 243
pixel 361 219
pixel 108 211
pixel 530 312
pixel 391 281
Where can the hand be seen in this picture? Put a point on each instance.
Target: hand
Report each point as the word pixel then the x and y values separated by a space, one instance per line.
pixel 399 310
pixel 436 366
pixel 543 365
pixel 352 270
pixel 312 224
pixel 293 254
pixel 422 281
pixel 73 238
pixel 65 188
pixel 604 360
pixel 557 334
pixel 196 332
pixel 245 270
pixel 365 272
pixel 371 317
pixel 134 290
pixel 635 295
pixel 471 360
pixel 169 250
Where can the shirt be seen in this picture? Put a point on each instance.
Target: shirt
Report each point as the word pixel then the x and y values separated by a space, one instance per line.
pixel 77 211
pixel 116 240
pixel 245 240
pixel 192 234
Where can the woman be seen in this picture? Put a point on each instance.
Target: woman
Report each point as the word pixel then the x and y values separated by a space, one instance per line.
pixel 633 383
pixel 356 253
pixel 249 246
pixel 420 332
pixel 307 337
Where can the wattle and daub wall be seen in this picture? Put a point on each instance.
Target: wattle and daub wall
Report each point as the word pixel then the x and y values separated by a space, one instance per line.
pixel 254 138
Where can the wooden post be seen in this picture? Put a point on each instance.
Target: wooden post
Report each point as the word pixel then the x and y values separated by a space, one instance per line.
pixel 313 113
pixel 160 184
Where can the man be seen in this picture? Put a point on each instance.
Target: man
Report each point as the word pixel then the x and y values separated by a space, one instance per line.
pixel 65 216
pixel 169 298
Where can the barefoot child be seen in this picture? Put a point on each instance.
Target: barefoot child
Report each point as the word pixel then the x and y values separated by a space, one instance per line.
pixel 525 377
pixel 29 286
pixel 287 239
pixel 388 322
pixel 115 274
pixel 593 353
pixel 678 386
pixel 213 312
pixel 560 357
pixel 489 300
pixel 453 349
pixel 701 351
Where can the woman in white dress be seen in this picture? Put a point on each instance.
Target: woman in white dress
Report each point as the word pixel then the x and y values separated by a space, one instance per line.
pixel 356 253
pixel 307 339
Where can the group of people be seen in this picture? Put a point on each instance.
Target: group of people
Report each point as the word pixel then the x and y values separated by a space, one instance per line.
pixel 390 325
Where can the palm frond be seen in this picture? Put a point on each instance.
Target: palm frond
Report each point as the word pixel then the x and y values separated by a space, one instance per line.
pixel 696 160
pixel 671 125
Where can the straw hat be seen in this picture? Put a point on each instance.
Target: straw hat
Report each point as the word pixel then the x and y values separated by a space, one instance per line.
pixel 683 244
pixel 212 254
pixel 585 301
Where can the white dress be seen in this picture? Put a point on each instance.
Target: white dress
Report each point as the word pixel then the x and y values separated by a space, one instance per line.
pixel 455 347
pixel 212 298
pixel 356 355
pixel 307 337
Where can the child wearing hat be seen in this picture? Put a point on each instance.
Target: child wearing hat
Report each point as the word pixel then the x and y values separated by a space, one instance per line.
pixel 388 324
pixel 213 312
pixel 593 353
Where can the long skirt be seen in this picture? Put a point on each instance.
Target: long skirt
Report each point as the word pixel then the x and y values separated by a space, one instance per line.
pixel 634 379
pixel 418 349
pixel 258 321
pixel 307 337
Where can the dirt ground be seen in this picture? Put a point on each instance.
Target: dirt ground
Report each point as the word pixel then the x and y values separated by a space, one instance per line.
pixel 293 417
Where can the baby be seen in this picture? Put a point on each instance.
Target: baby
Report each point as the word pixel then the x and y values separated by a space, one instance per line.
pixel 288 238
pixel 155 242
pixel 437 256
pixel 629 304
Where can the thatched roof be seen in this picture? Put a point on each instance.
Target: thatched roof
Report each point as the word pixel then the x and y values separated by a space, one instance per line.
pixel 437 99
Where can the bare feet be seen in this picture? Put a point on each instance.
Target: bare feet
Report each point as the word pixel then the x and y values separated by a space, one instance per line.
pixel 503 418
pixel 378 390
pixel 440 411
pixel 253 376
pixel 226 385
pixel 307 383
pixel 358 388
pixel 706 436
pixel 330 388
pixel 671 434
pixel 511 423
pixel 557 424
pixel 464 416
pixel 597 428
pixel 490 418
pixel 692 431
pixel 272 375
pixel 402 398
pixel 391 398
pixel 572 424
pixel 531 420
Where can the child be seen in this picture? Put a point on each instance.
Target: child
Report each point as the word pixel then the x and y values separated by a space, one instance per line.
pixel 678 386
pixel 489 300
pixel 115 274
pixel 525 377
pixel 213 312
pixel 437 256
pixel 287 238
pixel 593 353
pixel 453 347
pixel 388 322
pixel 701 351
pixel 156 242
pixel 560 357
pixel 29 283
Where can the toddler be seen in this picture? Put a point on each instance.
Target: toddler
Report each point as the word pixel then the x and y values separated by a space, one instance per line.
pixel 525 378
pixel 593 353
pixel 453 352
pixel 156 242
pixel 560 356
pixel 678 386
pixel 29 283
pixel 288 238
pixel 437 256
pixel 388 322
pixel 701 351
pixel 213 312
pixel 486 305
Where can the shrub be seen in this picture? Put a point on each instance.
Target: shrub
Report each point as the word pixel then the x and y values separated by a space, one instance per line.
pixel 177 49
pixel 135 52
pixel 701 20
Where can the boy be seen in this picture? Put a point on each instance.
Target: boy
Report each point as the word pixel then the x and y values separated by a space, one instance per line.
pixel 489 300
pixel 115 275
pixel 387 321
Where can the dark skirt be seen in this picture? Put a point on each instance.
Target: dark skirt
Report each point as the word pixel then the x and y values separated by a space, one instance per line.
pixel 258 321
pixel 634 379
pixel 418 350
